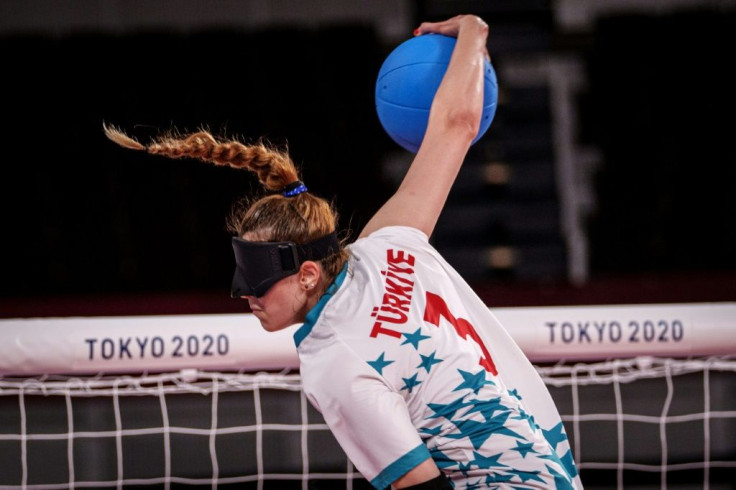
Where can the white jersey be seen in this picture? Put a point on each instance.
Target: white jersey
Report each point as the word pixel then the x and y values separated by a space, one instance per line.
pixel 405 362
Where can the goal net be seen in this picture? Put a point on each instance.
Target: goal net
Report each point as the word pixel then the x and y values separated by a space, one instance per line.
pixel 647 394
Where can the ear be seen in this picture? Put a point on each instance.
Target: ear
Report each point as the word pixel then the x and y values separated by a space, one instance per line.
pixel 310 274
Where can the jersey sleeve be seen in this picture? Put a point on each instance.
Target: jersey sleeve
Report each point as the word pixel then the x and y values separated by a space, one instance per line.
pixel 369 420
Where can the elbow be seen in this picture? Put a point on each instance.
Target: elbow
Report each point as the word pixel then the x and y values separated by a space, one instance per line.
pixel 463 123
pixel 459 119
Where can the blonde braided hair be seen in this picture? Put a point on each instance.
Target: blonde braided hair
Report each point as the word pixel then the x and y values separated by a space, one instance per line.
pixel 301 219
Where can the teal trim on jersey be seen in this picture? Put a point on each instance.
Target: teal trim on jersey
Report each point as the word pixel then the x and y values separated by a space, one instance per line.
pixel 402 465
pixel 314 313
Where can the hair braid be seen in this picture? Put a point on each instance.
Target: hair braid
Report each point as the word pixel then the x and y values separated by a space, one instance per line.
pixel 301 219
pixel 275 169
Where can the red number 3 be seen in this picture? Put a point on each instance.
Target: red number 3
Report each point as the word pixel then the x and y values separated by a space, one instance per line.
pixel 436 308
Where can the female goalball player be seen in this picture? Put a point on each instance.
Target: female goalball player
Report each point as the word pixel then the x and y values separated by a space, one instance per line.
pixel 417 380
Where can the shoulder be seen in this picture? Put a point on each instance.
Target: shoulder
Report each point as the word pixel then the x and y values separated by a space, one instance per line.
pixel 392 235
pixel 371 254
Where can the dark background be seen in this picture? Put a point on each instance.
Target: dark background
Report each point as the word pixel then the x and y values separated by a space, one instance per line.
pixel 89 228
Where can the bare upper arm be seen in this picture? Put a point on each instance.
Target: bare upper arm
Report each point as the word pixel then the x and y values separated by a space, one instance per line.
pixel 421 196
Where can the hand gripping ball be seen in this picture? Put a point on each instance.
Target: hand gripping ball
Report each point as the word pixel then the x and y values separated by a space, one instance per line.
pixel 406 84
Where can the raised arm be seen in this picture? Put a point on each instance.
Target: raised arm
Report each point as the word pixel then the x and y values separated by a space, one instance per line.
pixel 454 119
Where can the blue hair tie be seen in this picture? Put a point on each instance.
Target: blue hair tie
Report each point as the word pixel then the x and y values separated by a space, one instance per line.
pixel 294 189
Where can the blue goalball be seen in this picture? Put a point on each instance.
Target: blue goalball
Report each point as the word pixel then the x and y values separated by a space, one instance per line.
pixel 406 84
